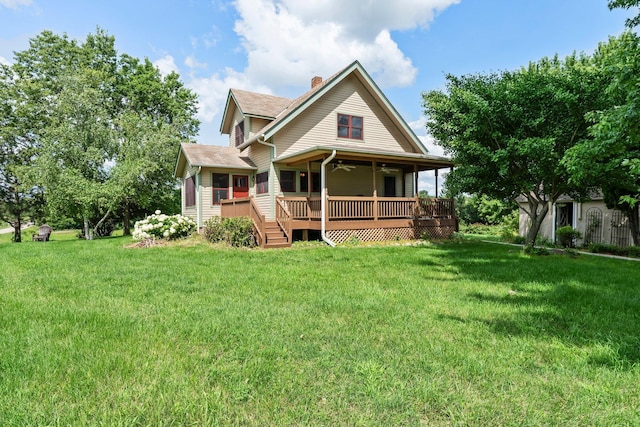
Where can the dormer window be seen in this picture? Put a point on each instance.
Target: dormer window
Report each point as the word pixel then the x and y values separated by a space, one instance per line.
pixel 239 132
pixel 350 126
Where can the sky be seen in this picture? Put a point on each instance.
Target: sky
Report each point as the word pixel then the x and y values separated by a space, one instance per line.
pixel 277 46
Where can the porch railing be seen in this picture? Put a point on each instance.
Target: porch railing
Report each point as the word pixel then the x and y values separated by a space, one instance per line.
pixel 283 218
pixel 340 208
pixel 245 206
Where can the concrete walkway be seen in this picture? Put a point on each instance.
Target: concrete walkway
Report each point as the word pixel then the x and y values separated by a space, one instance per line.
pixel 578 251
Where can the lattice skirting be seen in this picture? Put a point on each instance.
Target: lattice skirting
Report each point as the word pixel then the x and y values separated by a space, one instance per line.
pixel 381 234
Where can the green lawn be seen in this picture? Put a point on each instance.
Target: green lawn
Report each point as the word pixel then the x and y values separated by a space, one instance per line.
pixel 460 333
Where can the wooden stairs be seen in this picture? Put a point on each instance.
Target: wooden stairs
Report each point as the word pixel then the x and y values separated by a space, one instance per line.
pixel 274 236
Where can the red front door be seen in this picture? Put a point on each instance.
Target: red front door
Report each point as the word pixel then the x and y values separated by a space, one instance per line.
pixel 240 186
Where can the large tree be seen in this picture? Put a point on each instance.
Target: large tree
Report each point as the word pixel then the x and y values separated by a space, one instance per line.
pixel 103 119
pixel 508 132
pixel 610 161
pixel 19 197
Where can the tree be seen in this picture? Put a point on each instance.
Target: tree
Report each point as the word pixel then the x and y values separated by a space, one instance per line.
pixel 627 4
pixel 610 161
pixel 109 126
pixel 19 198
pixel 508 132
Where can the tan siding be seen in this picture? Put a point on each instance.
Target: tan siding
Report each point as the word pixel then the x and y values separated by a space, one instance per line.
pixel 357 182
pixel 264 203
pixel 409 182
pixel 257 125
pixel 318 124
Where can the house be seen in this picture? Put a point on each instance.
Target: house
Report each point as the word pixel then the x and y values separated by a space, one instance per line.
pixel 338 162
pixel 592 218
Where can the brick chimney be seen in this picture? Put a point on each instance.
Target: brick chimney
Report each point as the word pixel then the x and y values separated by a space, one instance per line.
pixel 315 81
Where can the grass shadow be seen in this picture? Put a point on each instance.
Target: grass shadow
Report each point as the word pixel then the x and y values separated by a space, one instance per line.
pixel 581 301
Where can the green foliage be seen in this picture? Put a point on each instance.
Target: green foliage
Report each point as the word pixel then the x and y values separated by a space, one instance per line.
pixel 610 160
pixel 483 209
pixel 627 4
pixel 102 129
pixel 567 236
pixel 601 248
pixel 508 132
pixel 236 232
pixel 535 250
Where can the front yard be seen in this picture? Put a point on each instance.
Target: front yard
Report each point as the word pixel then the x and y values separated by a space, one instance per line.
pixel 458 333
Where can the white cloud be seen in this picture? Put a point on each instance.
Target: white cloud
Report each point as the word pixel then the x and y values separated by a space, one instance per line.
pixel 286 42
pixel 4 61
pixel 289 41
pixel 192 62
pixel 427 140
pixel 166 65
pixel 212 91
pixel 14 4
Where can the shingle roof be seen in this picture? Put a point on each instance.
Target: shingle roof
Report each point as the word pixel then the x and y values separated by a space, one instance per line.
pixel 259 104
pixel 211 156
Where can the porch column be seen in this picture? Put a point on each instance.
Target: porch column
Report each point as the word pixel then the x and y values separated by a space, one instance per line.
pixel 436 183
pixel 374 165
pixel 309 190
pixel 415 180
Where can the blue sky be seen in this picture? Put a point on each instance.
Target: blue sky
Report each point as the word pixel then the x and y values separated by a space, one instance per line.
pixel 276 46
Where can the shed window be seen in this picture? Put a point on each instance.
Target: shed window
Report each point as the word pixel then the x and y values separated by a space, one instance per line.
pixel 190 191
pixel 220 187
pixel 350 126
pixel 262 183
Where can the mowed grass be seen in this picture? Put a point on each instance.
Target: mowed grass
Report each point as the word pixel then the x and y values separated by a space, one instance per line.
pixel 458 333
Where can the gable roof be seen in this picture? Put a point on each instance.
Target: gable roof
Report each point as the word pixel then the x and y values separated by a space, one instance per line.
pixel 294 108
pixel 200 155
pixel 253 105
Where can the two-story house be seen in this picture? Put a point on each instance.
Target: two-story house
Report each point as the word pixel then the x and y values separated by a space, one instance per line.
pixel 338 162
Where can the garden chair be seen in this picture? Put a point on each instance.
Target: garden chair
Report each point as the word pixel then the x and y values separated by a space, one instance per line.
pixel 43 234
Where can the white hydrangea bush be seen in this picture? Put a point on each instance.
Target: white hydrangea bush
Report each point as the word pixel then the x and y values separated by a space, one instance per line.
pixel 161 226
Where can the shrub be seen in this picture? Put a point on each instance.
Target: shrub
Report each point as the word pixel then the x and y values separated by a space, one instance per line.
pixel 236 232
pixel 161 226
pixel 567 236
pixel 601 248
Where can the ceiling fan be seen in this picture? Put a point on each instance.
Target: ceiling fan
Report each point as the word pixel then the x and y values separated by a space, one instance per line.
pixel 339 165
pixel 385 169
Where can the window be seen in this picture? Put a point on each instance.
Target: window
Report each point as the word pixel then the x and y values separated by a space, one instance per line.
pixel 288 181
pixel 239 133
pixel 315 182
pixel 190 191
pixel 220 187
pixel 262 183
pixel 350 126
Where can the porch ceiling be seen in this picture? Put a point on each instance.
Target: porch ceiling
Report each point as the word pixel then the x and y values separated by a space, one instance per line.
pixel 357 155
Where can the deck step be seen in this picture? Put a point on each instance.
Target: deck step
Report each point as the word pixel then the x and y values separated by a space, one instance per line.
pixel 274 236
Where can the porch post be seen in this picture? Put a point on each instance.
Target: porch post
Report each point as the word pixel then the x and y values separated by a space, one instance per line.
pixel 374 164
pixel 415 180
pixel 436 183
pixel 309 190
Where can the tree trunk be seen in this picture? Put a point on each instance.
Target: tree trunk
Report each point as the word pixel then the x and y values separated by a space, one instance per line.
pixel 87 230
pixel 536 220
pixel 17 230
pixel 634 223
pixel 126 220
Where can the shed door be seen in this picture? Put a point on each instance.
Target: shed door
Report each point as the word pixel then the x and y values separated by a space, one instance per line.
pixel 240 186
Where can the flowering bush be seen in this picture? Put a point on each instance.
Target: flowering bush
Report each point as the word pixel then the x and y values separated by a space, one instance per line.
pixel 163 226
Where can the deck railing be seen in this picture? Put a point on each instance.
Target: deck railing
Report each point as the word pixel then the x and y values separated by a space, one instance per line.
pixel 245 206
pixel 283 218
pixel 340 208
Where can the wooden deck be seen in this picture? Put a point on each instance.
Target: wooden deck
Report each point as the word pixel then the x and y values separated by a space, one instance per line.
pixel 369 218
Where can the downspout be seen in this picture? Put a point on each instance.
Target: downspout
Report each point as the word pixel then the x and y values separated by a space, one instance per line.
pixel 323 199
pixel 260 140
pixel 272 196
pixel 199 198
